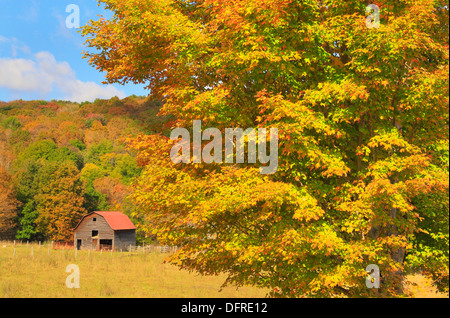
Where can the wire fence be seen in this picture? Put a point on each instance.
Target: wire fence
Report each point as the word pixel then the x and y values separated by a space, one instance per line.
pixel 62 245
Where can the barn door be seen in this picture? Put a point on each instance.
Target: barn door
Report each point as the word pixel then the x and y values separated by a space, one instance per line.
pixel 94 239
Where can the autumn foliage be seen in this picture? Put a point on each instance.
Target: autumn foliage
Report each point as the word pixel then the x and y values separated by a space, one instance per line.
pixel 362 115
pixel 60 160
pixel 8 205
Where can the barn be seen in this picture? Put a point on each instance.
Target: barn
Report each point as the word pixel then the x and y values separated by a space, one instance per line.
pixel 105 230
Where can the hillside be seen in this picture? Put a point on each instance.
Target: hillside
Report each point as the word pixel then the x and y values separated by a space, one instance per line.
pixel 60 160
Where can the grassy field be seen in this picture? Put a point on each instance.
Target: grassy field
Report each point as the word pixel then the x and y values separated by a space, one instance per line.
pixel 105 274
pixel 37 271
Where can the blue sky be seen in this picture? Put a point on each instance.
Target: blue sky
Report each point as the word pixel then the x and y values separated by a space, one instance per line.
pixel 41 58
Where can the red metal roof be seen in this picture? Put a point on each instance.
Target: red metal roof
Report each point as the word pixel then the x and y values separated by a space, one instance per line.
pixel 116 220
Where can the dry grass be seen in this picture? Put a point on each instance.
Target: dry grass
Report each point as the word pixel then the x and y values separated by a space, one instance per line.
pixel 123 275
pixel 104 275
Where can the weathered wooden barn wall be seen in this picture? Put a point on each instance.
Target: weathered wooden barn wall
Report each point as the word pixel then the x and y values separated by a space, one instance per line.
pixel 124 238
pixel 85 228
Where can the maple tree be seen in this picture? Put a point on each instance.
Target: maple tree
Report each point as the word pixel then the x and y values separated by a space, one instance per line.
pixel 362 115
pixel 60 201
pixel 31 171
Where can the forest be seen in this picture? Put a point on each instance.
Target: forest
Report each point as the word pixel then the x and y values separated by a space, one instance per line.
pixel 60 160
pixel 362 115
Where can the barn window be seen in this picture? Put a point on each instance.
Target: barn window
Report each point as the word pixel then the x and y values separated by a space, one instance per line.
pixel 95 219
pixel 94 233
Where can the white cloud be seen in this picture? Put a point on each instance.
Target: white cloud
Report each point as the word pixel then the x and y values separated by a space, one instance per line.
pixel 42 75
pixel 22 75
pixel 88 91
